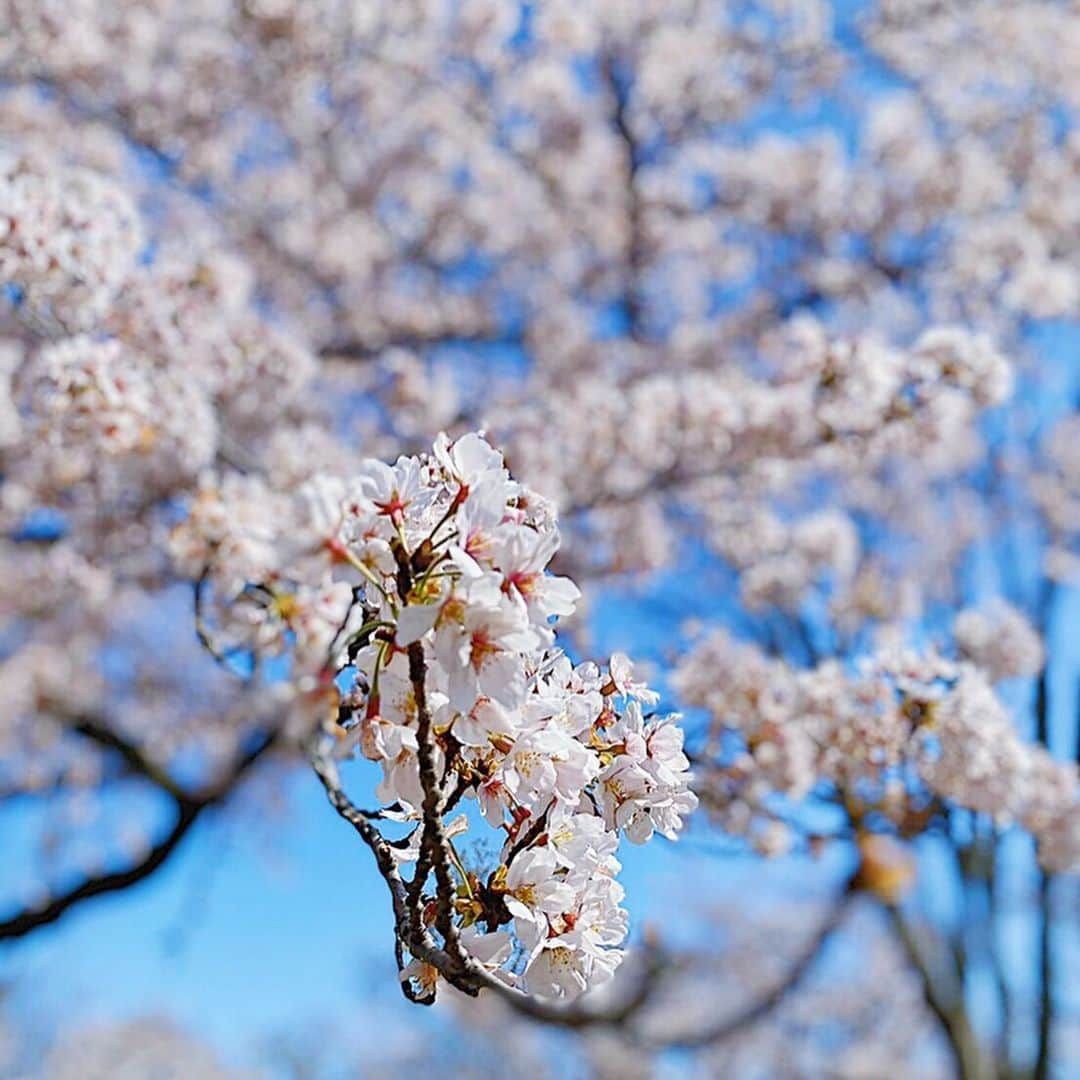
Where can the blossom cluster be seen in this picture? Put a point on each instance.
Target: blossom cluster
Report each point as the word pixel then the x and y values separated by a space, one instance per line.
pixel 99 409
pixel 827 400
pixel 68 238
pixel 424 585
pixel 617 450
pixel 1000 640
pixel 886 740
pixel 131 360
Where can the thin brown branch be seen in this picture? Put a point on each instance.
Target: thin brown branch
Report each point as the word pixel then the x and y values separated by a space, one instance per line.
pixel 409 932
pixel 459 968
pixel 434 837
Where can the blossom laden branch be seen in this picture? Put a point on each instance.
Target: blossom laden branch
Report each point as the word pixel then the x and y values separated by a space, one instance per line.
pixel 456 689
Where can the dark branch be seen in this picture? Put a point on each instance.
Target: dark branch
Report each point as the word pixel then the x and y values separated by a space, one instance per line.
pixel 1045 908
pixel 188 810
pixel 759 1009
pixel 946 1003
pixel 31 919
pixel 93 730
pixel 635 250
pixel 369 350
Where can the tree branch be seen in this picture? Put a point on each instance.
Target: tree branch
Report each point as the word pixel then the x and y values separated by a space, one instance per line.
pixel 408 931
pixel 635 250
pixel 757 1010
pixel 369 350
pixel 434 835
pixel 188 810
pixel 946 1005
pixel 92 729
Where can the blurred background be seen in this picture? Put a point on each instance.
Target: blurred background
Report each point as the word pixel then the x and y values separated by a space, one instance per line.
pixel 776 302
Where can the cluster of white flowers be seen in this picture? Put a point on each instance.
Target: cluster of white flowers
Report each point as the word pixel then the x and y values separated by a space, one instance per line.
pixel 1000 640
pixel 426 582
pixel 620 450
pixel 68 238
pixel 97 405
pixel 779 561
pixel 884 739
pixel 120 383
pixel 40 686
pixel 198 304
pixel 973 756
pixel 832 400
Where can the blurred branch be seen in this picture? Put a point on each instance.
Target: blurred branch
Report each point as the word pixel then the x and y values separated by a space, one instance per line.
pixel 204 633
pixel 635 251
pixel 586 1013
pixel 947 1005
pixel 1045 908
pixel 140 763
pixel 994 893
pixel 759 1009
pixel 189 807
pixel 363 350
pixel 660 483
pixel 1043 1055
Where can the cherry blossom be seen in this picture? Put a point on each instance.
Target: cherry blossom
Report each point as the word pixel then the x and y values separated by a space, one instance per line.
pixel 457 688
